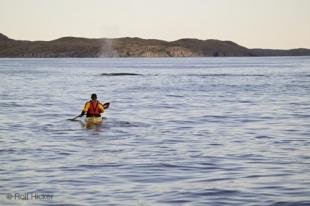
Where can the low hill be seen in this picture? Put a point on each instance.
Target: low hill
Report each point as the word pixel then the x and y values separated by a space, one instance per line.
pixel 132 47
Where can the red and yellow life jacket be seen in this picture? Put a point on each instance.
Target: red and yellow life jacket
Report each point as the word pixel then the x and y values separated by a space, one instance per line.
pixel 93 108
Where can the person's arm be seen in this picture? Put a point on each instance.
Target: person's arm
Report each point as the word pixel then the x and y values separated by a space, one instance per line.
pixel 82 114
pixel 85 109
pixel 101 107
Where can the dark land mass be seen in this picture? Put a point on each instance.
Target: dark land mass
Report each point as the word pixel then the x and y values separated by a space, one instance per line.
pixel 133 47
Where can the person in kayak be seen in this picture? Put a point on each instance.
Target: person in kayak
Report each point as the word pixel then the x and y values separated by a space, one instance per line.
pixel 94 108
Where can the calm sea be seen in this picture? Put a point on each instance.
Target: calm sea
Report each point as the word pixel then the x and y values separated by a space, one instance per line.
pixel 184 131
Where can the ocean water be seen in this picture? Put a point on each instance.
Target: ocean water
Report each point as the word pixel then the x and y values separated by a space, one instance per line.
pixel 184 131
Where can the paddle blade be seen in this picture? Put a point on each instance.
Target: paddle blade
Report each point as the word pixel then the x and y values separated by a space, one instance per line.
pixel 74 119
pixel 106 105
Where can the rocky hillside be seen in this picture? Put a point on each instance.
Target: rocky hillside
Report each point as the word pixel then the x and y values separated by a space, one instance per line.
pixel 132 47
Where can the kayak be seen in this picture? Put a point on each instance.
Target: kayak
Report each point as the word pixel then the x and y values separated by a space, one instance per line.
pixel 93 120
pixel 90 122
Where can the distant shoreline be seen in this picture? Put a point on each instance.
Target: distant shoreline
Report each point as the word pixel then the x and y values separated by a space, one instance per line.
pixel 74 47
pixel 150 57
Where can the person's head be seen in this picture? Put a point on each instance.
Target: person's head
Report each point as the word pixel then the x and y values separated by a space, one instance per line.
pixel 93 96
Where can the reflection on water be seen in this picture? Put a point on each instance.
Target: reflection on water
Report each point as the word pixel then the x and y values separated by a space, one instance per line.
pixel 185 131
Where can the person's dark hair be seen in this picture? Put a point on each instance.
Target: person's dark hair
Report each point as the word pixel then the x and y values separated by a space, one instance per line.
pixel 94 96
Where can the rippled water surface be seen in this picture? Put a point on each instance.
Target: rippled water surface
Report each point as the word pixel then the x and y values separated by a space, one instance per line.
pixel 187 131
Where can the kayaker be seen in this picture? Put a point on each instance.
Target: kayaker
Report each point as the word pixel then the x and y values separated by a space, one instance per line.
pixel 94 108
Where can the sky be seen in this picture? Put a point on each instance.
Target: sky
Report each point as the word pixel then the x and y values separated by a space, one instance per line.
pixel 277 24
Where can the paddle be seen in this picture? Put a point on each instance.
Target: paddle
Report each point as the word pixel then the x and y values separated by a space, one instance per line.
pixel 73 119
pixel 105 106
